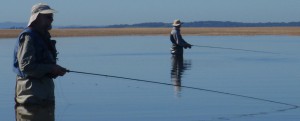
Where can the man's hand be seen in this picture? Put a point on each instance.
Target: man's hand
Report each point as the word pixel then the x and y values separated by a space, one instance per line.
pixel 58 71
pixel 187 45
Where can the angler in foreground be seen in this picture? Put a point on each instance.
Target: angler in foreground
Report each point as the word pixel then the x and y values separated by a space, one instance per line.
pixel 35 59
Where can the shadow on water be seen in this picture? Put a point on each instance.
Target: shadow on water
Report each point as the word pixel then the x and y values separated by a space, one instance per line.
pixel 35 113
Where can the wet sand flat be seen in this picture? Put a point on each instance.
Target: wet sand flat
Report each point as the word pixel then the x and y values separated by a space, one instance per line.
pixel 236 31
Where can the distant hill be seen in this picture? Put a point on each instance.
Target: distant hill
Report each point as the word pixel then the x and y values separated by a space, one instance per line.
pixel 149 24
pixel 13 25
pixel 210 24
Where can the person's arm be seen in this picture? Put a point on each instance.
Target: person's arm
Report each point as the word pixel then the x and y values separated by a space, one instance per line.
pixel 180 41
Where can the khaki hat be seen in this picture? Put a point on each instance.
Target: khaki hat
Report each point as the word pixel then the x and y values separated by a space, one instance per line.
pixel 177 22
pixel 37 9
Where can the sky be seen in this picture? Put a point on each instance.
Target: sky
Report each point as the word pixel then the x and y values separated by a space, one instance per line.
pixel 108 12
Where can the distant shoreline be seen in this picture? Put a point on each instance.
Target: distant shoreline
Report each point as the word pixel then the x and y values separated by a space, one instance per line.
pixel 209 31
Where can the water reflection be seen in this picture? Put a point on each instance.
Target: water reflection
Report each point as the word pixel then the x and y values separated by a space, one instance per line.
pixel 241 116
pixel 179 65
pixel 35 113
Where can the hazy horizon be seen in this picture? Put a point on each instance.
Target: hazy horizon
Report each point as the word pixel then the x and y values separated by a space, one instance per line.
pixel 110 12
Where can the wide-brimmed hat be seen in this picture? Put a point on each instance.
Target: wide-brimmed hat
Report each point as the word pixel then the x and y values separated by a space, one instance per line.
pixel 40 8
pixel 177 22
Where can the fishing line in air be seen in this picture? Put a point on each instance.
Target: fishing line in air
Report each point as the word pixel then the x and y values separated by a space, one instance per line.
pixel 188 87
pixel 234 49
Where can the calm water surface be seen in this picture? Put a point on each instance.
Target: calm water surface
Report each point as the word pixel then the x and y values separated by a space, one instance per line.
pixel 273 77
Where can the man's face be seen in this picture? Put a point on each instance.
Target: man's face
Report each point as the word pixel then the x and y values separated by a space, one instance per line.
pixel 45 21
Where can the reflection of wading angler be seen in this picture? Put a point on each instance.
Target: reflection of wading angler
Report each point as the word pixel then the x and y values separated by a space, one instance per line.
pixel 35 113
pixel 35 59
pixel 179 65
pixel 178 43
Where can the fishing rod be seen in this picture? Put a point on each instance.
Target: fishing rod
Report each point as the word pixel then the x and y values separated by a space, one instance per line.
pixel 188 87
pixel 235 49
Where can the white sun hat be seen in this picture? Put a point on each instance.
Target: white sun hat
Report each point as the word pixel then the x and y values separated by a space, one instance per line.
pixel 37 9
pixel 177 22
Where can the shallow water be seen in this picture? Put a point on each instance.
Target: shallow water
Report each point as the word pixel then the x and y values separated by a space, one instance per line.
pixel 273 77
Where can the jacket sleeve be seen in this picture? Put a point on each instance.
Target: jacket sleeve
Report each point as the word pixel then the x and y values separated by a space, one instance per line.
pixel 179 40
pixel 28 60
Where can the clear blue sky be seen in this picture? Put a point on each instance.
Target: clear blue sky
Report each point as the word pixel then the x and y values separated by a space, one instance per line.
pixel 107 12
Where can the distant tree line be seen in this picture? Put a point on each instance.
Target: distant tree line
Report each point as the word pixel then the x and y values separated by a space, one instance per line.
pixel 210 24
pixel 11 25
pixel 239 24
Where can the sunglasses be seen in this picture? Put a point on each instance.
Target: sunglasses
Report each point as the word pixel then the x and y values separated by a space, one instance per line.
pixel 48 16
